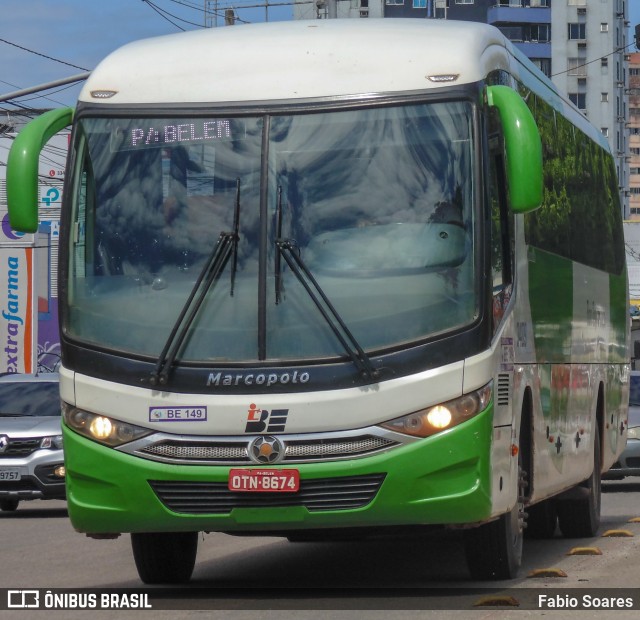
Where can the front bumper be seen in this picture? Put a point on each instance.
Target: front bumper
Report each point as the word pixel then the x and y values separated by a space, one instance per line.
pixel 37 477
pixel 628 464
pixel 444 479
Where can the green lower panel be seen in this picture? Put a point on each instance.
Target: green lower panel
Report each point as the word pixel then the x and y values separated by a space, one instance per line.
pixel 442 479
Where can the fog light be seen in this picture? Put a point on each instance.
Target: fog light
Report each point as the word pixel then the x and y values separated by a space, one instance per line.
pixel 60 471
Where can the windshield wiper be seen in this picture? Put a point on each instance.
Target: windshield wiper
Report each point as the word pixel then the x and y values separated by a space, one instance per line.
pixel 208 276
pixel 289 251
pixel 226 245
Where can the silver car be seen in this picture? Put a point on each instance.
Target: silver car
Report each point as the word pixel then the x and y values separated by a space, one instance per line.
pixel 629 462
pixel 31 458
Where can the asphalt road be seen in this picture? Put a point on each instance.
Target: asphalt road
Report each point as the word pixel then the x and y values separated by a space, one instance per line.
pixel 257 578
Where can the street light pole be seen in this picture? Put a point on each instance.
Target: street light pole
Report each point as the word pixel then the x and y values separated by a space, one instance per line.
pixel 36 89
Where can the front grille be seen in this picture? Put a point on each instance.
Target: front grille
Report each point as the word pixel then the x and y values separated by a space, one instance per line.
pixel 212 451
pixel 185 451
pixel 20 447
pixel 346 493
pixel 340 447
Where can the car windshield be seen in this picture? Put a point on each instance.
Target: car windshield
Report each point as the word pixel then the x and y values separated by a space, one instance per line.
pixel 377 204
pixel 23 398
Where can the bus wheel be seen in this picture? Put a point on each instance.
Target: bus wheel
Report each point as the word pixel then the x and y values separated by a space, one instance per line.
pixel 580 517
pixel 542 520
pixel 494 550
pixel 165 557
pixel 9 505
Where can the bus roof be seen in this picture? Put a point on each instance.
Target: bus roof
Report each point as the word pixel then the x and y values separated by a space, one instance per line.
pixel 298 60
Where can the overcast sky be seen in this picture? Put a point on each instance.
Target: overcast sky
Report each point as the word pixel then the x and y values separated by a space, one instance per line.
pixel 82 32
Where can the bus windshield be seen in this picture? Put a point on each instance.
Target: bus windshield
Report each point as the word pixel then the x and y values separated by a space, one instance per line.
pixel 376 203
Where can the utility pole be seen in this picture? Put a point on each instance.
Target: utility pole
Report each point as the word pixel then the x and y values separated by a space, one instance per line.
pixel 210 13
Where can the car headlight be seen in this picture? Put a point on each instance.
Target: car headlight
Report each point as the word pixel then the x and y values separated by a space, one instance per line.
pixel 440 417
pixel 101 428
pixel 633 432
pixel 54 442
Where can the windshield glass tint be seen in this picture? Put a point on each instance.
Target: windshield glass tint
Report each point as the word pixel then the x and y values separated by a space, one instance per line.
pixel 152 198
pixel 30 398
pixel 377 204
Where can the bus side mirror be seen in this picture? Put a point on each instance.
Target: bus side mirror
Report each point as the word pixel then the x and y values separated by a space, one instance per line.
pixel 22 167
pixel 523 148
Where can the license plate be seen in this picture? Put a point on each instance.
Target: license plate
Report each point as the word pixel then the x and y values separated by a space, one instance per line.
pixel 10 474
pixel 264 480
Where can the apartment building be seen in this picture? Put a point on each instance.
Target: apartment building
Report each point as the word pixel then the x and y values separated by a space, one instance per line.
pixel 634 136
pixel 590 57
pixel 582 45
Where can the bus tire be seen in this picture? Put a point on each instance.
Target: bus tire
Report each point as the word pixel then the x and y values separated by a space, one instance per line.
pixel 494 550
pixel 542 520
pixel 580 517
pixel 165 557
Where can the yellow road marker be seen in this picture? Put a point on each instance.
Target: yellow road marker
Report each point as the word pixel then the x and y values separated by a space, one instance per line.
pixel 585 551
pixel 547 572
pixel 497 601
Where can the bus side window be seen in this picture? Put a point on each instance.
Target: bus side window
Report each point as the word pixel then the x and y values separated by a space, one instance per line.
pixel 502 228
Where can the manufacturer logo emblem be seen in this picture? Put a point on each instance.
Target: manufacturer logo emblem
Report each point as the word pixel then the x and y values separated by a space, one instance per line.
pixel 261 420
pixel 4 443
pixel 266 450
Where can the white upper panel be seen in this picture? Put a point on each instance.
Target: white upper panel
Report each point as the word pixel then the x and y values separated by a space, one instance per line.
pixel 297 60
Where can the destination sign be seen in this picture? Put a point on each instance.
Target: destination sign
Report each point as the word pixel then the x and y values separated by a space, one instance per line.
pixel 149 134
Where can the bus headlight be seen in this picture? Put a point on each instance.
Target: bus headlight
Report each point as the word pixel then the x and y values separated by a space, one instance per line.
pixel 440 417
pixel 101 428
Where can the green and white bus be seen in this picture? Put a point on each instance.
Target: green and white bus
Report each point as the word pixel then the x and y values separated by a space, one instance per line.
pixel 334 277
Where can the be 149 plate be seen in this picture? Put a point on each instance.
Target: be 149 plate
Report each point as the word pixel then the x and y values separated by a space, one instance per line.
pixel 264 480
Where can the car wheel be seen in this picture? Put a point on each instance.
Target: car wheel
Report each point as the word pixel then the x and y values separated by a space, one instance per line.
pixel 9 505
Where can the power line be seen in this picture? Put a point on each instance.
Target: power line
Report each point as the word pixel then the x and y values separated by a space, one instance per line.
pixel 162 13
pixel 615 51
pixel 26 49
